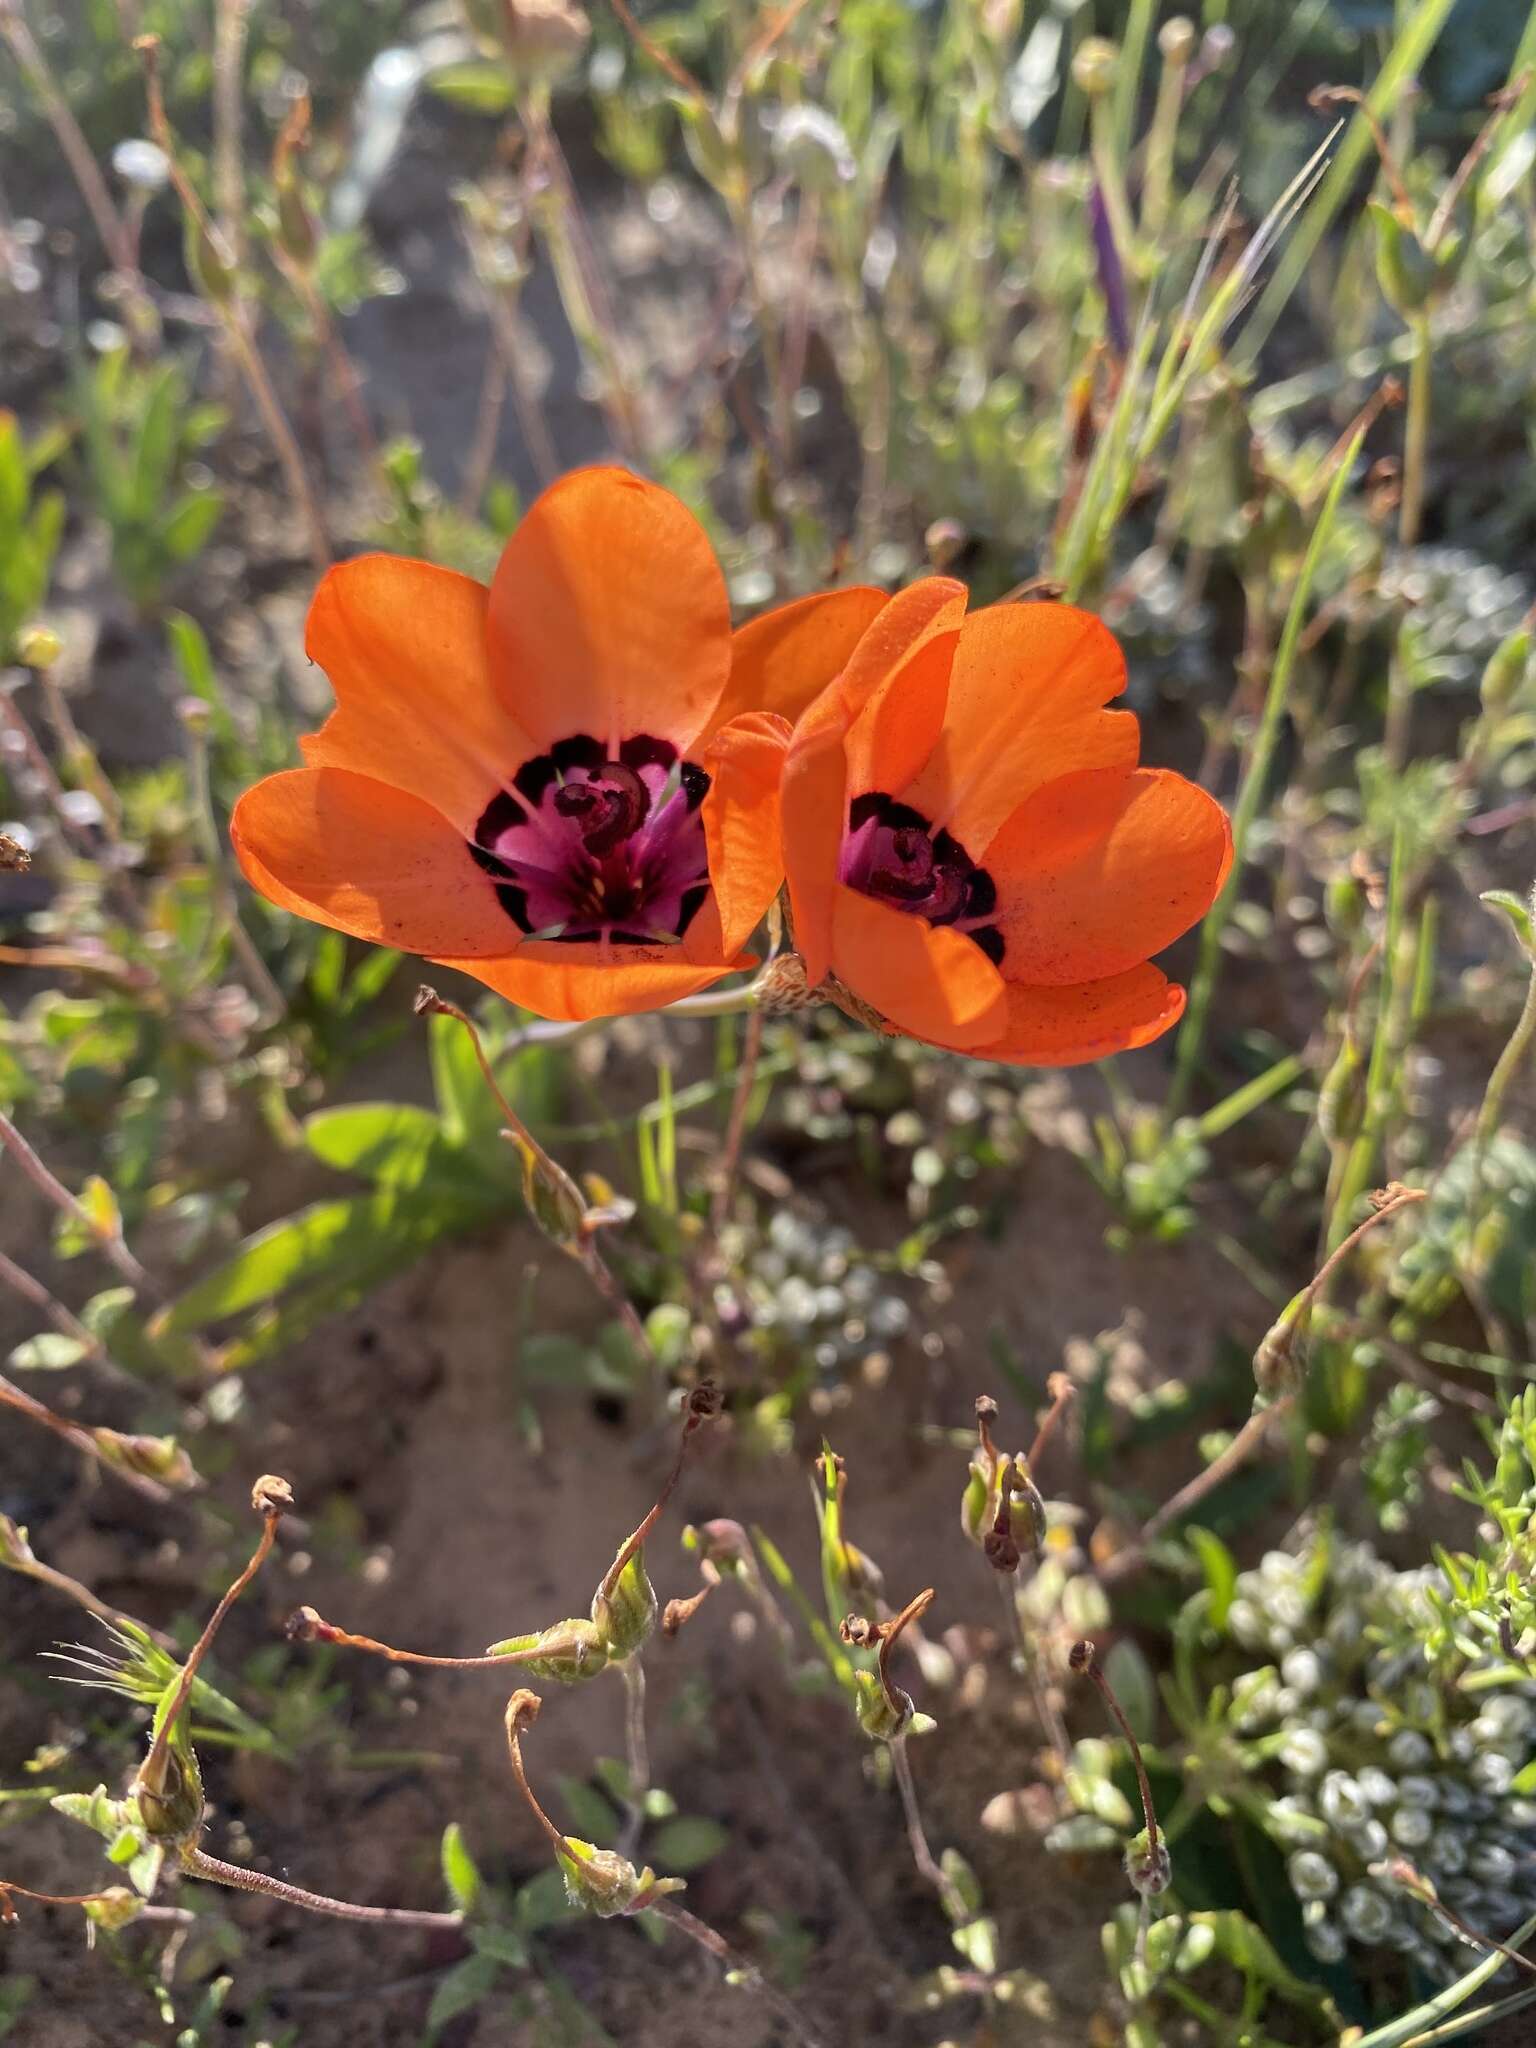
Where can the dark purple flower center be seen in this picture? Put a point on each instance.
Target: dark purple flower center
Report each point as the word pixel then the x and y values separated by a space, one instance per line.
pixel 892 853
pixel 584 847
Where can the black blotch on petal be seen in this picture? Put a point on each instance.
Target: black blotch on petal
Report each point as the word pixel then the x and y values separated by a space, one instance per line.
pixel 689 910
pixel 514 902
pixel 642 751
pixel 695 784
pixel 898 817
pixel 980 894
pixel 579 751
pixel 865 807
pixel 500 815
pixel 633 938
pixel 990 940
pixel 534 777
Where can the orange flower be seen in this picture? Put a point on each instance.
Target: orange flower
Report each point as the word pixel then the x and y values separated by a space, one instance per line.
pixel 565 785
pixel 972 851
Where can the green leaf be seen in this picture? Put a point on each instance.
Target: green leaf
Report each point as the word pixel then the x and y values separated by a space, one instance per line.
pixel 593 1818
pixel 459 1872
pixel 186 529
pixel 388 1142
pixel 50 1352
pixel 1129 1673
pixel 463 1987
pixel 1400 2032
pixel 483 85
pixel 72 1236
pixel 1220 1568
pixel 328 1242
pixel 687 1843
pixel 1517 909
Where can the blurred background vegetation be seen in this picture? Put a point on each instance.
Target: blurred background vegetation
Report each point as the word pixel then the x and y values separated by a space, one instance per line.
pixel 1219 324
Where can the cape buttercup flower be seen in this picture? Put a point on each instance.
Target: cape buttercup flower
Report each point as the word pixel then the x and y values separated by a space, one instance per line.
pixel 973 854
pixel 567 784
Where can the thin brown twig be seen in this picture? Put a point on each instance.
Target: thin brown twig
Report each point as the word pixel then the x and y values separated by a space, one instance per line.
pixel 82 1440
pixel 109 1241
pixel 736 1127
pixel 197 1863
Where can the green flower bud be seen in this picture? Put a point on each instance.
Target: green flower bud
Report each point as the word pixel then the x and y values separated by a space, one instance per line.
pixel 1094 65
pixel 566 1653
pixel 978 1504
pixel 625 1615
pixel 1148 1866
pixel 15 1551
pixel 115 1907
pixel 169 1794
pixel 152 1457
pixel 880 1720
pixel 297 233
pixel 209 265
pixel 1413 277
pixel 1341 1099
pixel 1280 1363
pixel 603 1882
pixel 38 647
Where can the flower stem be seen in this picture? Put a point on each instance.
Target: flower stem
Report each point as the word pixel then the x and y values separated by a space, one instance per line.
pixel 1416 432
pixel 198 1864
pixel 636 1750
pixel 927 1868
pixel 745 1972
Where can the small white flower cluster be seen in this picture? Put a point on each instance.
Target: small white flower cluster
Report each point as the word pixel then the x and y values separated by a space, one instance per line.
pixel 1379 1762
pixel 809 1287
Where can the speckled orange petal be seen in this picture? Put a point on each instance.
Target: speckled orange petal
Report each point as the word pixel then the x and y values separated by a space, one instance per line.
pixel 609 615
pixel 570 984
pixel 745 763
pixel 1025 699
pixel 927 980
pixel 1067 1027
pixel 816 780
pixel 361 857
pixel 403 644
pixel 783 659
pixel 1098 871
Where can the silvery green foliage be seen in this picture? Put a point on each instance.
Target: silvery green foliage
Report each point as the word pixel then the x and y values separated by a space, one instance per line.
pixel 1374 1760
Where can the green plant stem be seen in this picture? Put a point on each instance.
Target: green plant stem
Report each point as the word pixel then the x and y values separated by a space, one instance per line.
pixel 1416 431
pixel 1139 15
pixel 1162 139
pixel 636 1750
pixel 1251 790
pixel 1022 1657
pixel 1508 1065
pixel 1382 1070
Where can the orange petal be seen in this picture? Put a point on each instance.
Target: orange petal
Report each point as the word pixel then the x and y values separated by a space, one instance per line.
pixel 927 980
pixel 816 771
pixel 745 762
pixel 1098 871
pixel 404 647
pixel 1024 707
pixel 574 989
pixel 1064 1027
pixel 361 857
pixel 785 658
pixel 609 614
